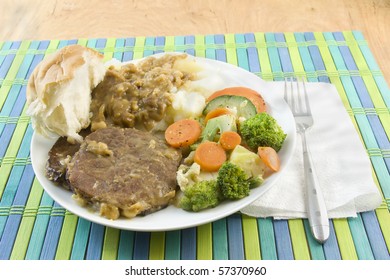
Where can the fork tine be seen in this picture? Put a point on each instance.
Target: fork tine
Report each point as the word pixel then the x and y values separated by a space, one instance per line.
pixel 306 97
pixel 288 91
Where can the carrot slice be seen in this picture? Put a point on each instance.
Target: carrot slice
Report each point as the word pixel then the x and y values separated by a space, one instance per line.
pixel 229 140
pixel 216 113
pixel 210 156
pixel 183 133
pixel 251 94
pixel 270 157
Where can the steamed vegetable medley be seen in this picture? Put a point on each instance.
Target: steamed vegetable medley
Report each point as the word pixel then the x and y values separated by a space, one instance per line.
pixel 231 148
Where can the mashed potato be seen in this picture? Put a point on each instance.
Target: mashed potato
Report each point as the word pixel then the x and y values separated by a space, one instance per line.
pixel 189 100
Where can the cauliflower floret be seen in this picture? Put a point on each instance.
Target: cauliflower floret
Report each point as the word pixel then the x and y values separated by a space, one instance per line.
pixel 184 109
pixel 189 175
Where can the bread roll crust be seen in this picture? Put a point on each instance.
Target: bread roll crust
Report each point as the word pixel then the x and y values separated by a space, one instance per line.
pixel 59 89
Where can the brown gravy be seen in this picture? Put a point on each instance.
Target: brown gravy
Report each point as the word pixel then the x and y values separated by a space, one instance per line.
pixel 136 95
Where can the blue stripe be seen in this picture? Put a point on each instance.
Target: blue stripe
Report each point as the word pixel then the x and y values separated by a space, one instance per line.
pixel 374 233
pixel 160 42
pixel 316 57
pixel 188 244
pixel 141 246
pixel 360 239
pixel 128 55
pixel 52 236
pixel 284 55
pixel 235 237
pixel 331 247
pixel 13 221
pixel 220 240
pixel 6 46
pixel 126 244
pixel 274 56
pixel 305 56
pixel 283 240
pixel 15 190
pixel 373 66
pixel 101 43
pixel 220 53
pixel 253 56
pixel 80 239
pixel 242 55
pixel 267 239
pixel 210 52
pixel 95 243
pixel 190 41
pixel 39 230
pixel 7 62
pixel 119 43
pixel 364 96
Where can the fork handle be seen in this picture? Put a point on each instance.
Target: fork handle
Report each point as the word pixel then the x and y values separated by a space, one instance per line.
pixel 316 208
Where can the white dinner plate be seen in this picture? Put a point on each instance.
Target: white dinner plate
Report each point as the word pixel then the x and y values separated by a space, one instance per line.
pixel 173 218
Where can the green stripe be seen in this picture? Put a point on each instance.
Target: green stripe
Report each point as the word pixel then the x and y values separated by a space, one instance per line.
pixel 295 56
pixel 111 237
pixel 210 53
pixel 204 242
pixel 220 240
pixel 309 74
pixel 81 239
pixel 265 65
pixel 267 239
pixel 110 244
pixel 66 239
pixel 200 50
pixel 369 82
pixel 157 244
pixel 126 245
pixel 172 245
pixel 65 243
pixel 251 238
pixel 316 248
pixel 27 223
pixel 384 223
pixel 242 55
pixel 343 233
pixel 169 44
pixel 273 57
pixel 232 45
pixel 39 230
pixel 118 55
pixel 139 47
pixel 345 240
pixel 298 239
pixel 20 129
pixel 231 55
pixel 300 243
pixel 109 49
pixel 363 248
pixel 12 71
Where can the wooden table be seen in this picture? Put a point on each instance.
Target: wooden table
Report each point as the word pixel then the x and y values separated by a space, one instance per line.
pixel 70 19
pixel 265 37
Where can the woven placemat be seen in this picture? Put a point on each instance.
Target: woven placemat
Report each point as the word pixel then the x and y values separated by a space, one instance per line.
pixel 33 226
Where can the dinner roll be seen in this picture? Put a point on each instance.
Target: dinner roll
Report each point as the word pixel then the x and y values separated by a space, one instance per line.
pixel 59 91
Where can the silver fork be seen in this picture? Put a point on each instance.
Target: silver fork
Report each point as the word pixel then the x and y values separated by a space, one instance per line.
pixel 300 107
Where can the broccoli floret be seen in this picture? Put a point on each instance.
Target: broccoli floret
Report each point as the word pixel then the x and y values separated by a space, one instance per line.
pixel 201 195
pixel 262 130
pixel 232 181
pixel 216 126
pixel 254 182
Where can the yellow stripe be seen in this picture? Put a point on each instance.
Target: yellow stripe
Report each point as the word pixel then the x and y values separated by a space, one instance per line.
pixel 251 238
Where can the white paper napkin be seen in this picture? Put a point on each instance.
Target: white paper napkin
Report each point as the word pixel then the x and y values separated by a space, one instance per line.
pixel 341 162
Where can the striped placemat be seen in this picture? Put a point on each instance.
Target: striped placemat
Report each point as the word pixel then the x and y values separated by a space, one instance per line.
pixel 33 226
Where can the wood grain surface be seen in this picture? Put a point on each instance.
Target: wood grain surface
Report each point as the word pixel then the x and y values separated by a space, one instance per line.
pixel 70 19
